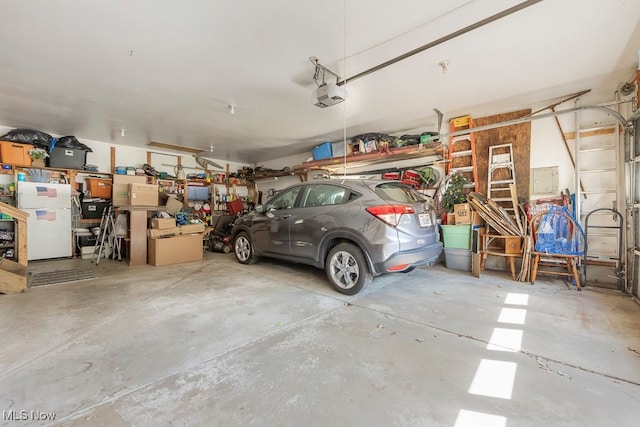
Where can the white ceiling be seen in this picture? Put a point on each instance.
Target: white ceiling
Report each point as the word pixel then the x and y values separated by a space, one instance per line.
pixel 167 70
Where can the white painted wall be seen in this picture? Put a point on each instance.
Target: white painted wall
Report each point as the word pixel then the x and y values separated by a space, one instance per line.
pixel 547 150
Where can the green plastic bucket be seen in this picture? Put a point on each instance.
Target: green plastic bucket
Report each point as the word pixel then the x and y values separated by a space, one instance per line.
pixel 457 236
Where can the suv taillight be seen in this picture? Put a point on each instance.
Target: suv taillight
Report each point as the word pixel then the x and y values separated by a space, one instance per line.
pixel 390 213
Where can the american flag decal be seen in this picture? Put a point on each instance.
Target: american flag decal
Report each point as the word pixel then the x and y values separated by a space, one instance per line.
pixel 45 216
pixel 46 192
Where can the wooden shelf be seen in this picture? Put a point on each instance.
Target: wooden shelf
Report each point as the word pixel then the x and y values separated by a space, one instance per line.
pixel 365 159
pixel 278 174
pixel 84 172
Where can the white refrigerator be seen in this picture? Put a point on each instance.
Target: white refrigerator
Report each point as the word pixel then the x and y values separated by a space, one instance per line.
pixel 49 222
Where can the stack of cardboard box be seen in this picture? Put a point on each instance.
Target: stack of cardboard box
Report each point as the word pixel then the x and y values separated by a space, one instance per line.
pixel 169 243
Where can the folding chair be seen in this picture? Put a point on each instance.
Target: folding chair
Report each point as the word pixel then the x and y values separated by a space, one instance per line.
pixel 558 244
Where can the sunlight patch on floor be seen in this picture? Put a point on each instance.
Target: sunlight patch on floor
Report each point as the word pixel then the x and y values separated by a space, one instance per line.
pixel 505 340
pixel 494 378
pixel 517 299
pixel 479 419
pixel 517 316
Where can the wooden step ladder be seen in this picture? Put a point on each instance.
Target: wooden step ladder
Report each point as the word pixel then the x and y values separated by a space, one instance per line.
pixel 502 177
pixel 462 151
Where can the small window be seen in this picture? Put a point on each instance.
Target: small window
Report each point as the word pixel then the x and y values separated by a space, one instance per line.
pixel 284 200
pixel 324 195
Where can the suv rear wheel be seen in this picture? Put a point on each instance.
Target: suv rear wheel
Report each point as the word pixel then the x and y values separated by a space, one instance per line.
pixel 244 249
pixel 347 269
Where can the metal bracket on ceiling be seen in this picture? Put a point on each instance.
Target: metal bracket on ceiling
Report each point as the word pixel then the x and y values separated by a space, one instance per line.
pixel 321 70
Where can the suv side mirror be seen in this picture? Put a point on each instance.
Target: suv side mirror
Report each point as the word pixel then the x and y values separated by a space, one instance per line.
pixel 260 209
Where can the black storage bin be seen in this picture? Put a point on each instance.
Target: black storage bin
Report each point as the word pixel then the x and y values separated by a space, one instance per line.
pixel 87 241
pixel 93 210
pixel 67 158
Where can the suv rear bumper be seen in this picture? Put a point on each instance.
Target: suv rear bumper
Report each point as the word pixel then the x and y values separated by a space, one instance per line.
pixel 425 255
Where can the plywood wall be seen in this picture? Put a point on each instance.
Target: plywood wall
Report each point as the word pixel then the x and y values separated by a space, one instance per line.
pixel 518 135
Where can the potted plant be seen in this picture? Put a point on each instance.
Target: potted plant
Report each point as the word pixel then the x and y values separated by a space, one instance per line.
pixel 37 157
pixel 453 192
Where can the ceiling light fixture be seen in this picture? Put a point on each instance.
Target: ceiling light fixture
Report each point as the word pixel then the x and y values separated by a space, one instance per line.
pixel 232 108
pixel 122 131
pixel 444 64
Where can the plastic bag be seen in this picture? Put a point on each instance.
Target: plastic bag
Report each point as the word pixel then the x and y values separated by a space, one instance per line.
pixel 559 233
pixel 28 136
pixel 72 142
pixel 121 226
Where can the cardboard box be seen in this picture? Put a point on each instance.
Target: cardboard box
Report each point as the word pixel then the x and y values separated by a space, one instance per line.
pixel 173 206
pixel 162 223
pixel 120 188
pixel 143 194
pixel 175 250
pixel 462 213
pixel 155 233
pixel 192 228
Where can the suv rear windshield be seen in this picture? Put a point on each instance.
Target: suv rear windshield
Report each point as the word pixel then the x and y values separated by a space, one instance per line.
pixel 395 192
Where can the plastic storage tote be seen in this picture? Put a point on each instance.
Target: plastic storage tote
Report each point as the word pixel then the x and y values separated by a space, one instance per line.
pixel 457 236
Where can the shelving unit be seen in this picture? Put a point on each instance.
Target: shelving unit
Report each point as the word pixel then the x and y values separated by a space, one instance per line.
pixel 8 224
pixel 376 163
pixel 369 160
pixel 6 246
pixel 19 218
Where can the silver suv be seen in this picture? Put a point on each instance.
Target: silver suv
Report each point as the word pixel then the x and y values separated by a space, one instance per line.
pixel 353 229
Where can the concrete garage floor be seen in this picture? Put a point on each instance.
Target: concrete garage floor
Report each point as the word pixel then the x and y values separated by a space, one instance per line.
pixel 219 343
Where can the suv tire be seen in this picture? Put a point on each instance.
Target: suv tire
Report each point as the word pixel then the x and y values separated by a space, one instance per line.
pixel 243 249
pixel 347 269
